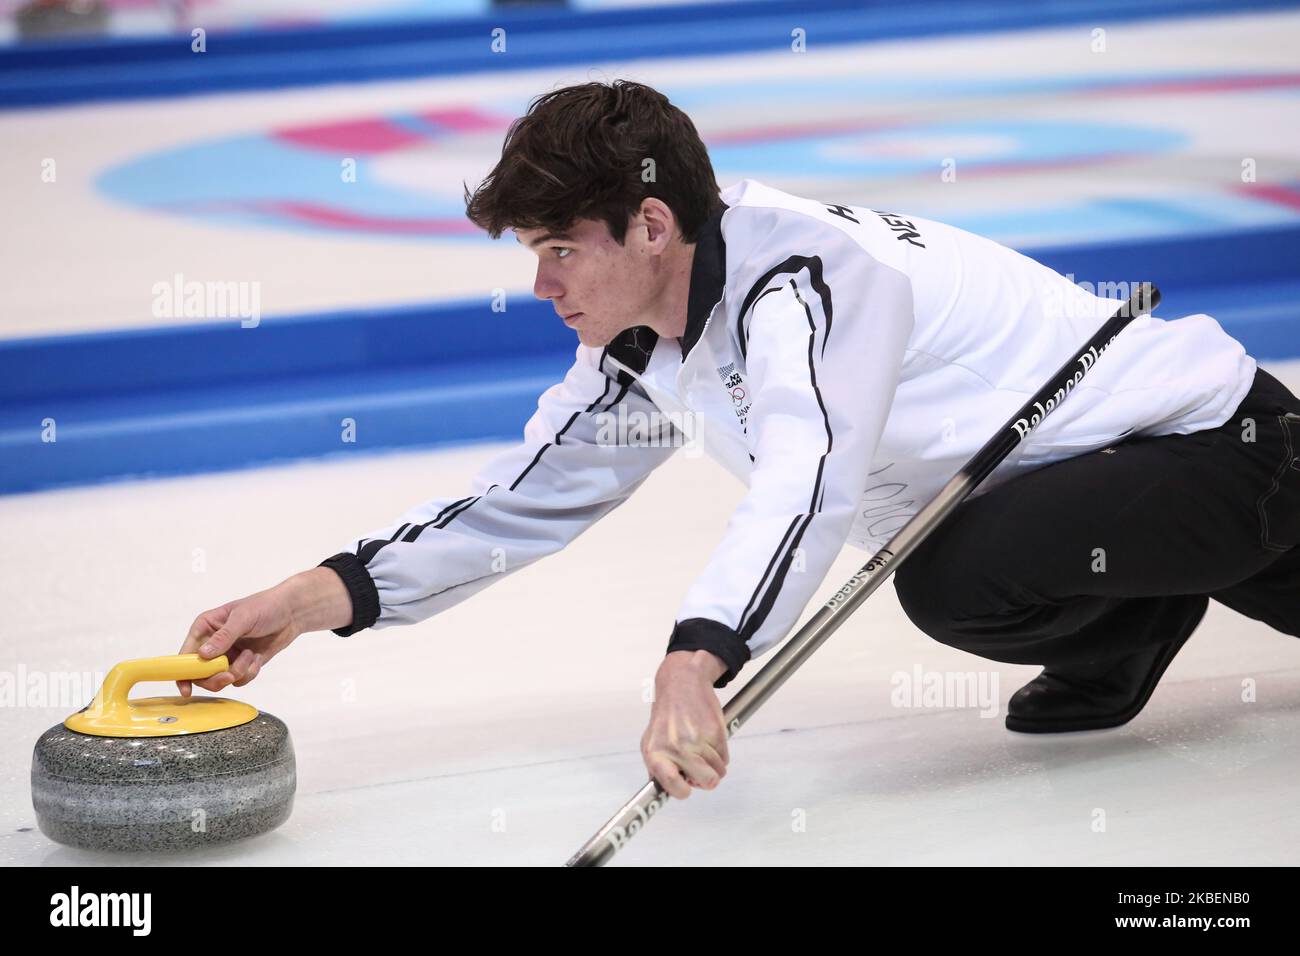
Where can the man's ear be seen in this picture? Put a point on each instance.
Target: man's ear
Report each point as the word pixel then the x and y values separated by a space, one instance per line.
pixel 659 222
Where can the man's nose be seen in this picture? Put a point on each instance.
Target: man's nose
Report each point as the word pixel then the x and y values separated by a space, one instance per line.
pixel 545 287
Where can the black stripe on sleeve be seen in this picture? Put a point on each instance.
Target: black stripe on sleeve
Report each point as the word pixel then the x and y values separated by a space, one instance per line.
pixel 751 626
pixel 743 332
pixel 776 556
pixel 784 556
pixel 812 377
pixel 560 434
pixel 792 265
pixel 364 594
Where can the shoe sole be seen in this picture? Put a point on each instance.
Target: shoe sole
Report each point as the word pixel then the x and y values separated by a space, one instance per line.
pixel 1102 721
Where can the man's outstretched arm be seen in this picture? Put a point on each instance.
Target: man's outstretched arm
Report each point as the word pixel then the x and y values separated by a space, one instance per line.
pixel 573 468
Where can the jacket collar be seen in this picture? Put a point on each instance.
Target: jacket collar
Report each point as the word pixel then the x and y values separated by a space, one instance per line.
pixel 708 278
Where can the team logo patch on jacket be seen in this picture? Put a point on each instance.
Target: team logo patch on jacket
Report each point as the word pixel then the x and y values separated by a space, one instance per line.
pixel 734 383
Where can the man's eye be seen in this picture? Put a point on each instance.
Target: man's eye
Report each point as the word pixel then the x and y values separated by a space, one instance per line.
pixel 561 249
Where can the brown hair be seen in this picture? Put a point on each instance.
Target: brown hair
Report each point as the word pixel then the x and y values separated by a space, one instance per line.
pixel 580 153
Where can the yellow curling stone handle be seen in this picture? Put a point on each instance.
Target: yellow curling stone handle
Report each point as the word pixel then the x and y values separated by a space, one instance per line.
pixel 111 714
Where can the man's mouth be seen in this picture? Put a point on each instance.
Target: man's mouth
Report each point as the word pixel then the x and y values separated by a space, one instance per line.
pixel 570 319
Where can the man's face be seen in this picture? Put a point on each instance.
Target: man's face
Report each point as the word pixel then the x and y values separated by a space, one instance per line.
pixel 599 287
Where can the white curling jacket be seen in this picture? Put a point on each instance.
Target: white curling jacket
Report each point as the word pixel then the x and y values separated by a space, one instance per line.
pixel 843 363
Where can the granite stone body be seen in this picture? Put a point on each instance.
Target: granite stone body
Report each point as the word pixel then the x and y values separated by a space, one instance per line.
pixel 163 793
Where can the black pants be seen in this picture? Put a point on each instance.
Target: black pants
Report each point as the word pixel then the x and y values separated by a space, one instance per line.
pixel 1088 560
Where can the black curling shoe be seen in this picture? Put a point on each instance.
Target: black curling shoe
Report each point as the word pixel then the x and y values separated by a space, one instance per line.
pixel 1060 700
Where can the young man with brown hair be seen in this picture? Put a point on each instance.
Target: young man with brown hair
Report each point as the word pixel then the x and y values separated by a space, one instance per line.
pixel 843 363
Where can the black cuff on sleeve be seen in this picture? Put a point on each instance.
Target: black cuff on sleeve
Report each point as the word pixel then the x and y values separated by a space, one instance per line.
pixel 702 634
pixel 361 588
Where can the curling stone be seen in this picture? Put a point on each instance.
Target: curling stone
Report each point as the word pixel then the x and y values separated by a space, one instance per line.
pixel 162 773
